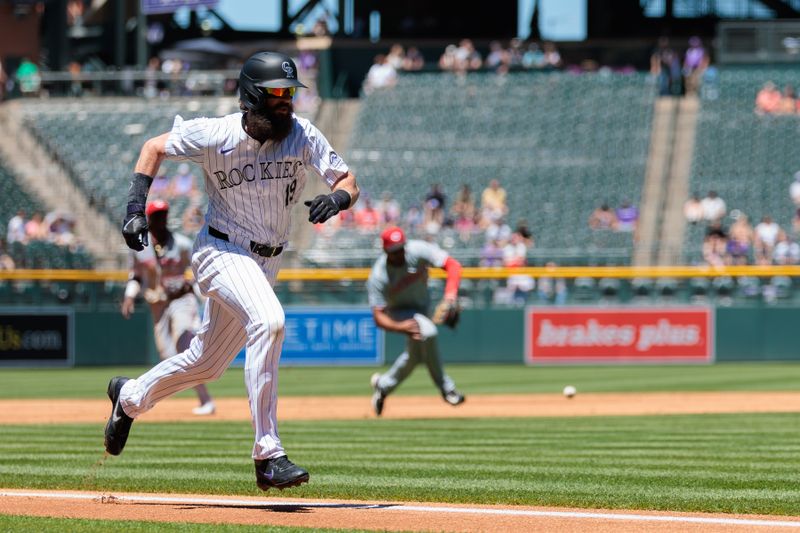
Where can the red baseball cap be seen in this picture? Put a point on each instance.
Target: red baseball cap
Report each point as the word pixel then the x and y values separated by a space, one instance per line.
pixel 393 239
pixel 155 206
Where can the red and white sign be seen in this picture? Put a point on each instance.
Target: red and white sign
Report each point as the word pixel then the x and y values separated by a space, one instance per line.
pixel 619 335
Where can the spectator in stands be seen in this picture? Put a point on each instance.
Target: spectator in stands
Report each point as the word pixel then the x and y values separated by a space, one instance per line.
pixel 491 254
pixel 603 218
pixel 151 84
pixel 788 102
pixel 499 59
pixel 183 183
pixel 715 245
pixel 516 49
pixel 693 209
pixel 498 230
pixel 767 234
pixel 75 85
pixel 412 221
pixel 35 229
pixel 60 228
pixel 524 231
pixel 552 289
pixel 6 261
pixel 796 222
pixel 465 226
pixel 464 204
pixel 367 219
pixel 695 62
pixel 16 228
pixel 192 220
pixel 447 61
pixel 665 65
pixel 552 57
pixel 794 189
pixel 396 57
pixel 627 216
pixel 714 207
pixel 381 75
pixel 768 99
pixel 320 28
pixel 786 252
pixel 493 202
pixel 467 58
pixel 515 251
pixel 533 58
pixel 160 188
pixel 28 77
pixel 414 59
pixel 389 208
pixel 740 239
pixel 435 198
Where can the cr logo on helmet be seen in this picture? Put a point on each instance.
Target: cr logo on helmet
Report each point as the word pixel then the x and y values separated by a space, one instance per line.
pixel 287 68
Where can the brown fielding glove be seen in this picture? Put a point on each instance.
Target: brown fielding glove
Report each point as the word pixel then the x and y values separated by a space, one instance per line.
pixel 447 313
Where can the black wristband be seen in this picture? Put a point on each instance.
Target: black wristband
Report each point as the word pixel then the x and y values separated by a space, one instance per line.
pixel 342 199
pixel 137 193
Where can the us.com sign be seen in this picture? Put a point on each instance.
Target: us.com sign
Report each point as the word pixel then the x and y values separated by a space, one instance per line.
pixel 35 337
pixel 619 335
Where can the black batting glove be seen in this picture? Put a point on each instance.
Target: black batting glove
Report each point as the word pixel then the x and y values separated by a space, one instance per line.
pixel 134 229
pixel 325 206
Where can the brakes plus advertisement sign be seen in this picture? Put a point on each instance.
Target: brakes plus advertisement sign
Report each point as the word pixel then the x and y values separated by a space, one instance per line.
pixel 629 335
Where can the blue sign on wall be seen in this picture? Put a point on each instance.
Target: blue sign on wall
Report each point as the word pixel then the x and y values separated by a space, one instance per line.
pixel 329 336
pixel 153 7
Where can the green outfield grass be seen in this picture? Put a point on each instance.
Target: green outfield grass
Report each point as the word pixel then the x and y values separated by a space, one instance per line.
pixel 60 525
pixel 741 463
pixel 472 379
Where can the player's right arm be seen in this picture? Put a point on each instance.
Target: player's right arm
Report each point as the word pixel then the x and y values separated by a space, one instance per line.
pixel 152 155
pixel 408 327
pixel 134 225
pixel 188 139
pixel 376 294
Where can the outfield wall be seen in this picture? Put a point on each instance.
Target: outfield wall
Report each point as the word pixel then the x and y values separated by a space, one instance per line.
pixel 484 336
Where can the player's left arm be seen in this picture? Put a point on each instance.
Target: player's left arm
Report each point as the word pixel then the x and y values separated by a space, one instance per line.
pixel 327 163
pixel 453 269
pixel 348 184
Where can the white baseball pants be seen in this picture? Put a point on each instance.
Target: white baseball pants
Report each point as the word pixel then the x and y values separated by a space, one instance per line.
pixel 241 310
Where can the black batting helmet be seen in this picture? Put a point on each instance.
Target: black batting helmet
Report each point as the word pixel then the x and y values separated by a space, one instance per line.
pixel 265 69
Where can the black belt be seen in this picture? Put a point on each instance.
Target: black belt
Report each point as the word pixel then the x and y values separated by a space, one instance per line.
pixel 263 250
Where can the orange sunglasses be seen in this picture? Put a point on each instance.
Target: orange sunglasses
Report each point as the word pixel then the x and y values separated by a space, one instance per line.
pixel 283 91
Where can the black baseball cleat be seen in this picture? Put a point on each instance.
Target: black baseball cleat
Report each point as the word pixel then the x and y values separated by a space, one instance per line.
pixel 279 473
pixel 378 396
pixel 119 424
pixel 453 397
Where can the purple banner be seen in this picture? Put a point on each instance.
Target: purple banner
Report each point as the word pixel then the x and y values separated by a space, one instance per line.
pixel 153 7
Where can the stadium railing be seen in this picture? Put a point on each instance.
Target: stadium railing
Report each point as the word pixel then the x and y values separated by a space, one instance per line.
pixel 482 288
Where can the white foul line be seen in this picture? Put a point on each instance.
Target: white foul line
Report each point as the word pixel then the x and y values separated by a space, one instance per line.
pixel 388 506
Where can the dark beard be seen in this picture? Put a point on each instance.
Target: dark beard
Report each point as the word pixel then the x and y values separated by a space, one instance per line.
pixel 263 125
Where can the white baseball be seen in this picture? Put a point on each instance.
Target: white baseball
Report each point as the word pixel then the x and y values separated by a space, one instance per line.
pixel 569 391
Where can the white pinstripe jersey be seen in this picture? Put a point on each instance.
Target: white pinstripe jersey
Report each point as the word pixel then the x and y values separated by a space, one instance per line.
pixel 252 187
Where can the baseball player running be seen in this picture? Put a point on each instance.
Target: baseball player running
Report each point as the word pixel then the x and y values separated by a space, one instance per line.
pixel 161 269
pixel 397 289
pixel 255 164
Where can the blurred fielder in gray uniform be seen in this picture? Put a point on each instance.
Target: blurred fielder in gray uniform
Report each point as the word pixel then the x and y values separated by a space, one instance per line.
pixel 161 269
pixel 398 294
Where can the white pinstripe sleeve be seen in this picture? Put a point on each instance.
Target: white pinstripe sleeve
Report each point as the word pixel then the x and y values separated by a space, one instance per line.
pixel 188 140
pixel 322 158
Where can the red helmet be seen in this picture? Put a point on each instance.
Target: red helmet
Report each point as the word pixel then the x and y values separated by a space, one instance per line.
pixel 156 206
pixel 393 239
